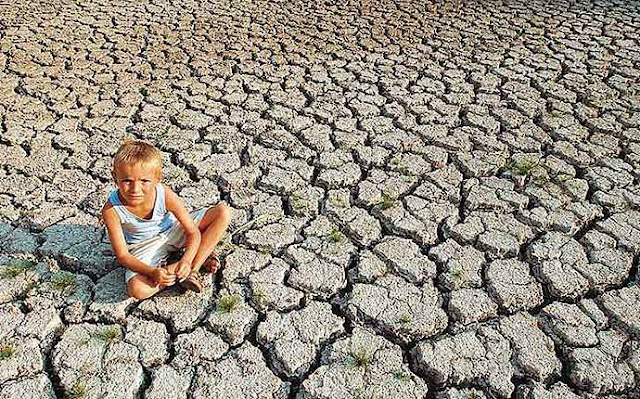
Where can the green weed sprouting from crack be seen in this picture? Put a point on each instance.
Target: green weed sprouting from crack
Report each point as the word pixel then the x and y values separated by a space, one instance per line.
pixel 472 395
pixel 297 202
pixel 15 267
pixel 338 202
pixel 523 167
pixel 109 335
pixel 77 391
pixel 401 376
pixel 387 202
pixel 259 297
pixel 359 358
pixel 336 236
pixel 63 282
pixel 6 351
pixel 227 303
pixel 458 276
pixel 405 318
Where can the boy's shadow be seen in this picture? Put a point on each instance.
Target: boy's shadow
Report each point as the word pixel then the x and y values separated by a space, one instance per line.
pixel 85 274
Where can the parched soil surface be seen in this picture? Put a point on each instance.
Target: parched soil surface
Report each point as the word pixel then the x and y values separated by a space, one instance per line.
pixel 430 200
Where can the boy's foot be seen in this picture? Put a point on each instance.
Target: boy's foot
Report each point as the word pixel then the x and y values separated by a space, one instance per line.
pixel 191 283
pixel 212 264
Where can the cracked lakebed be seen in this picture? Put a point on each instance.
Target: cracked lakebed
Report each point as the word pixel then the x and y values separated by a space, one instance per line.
pixel 430 200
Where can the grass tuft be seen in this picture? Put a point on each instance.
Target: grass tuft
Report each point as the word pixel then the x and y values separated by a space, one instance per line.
pixel 259 297
pixel 63 282
pixel 336 236
pixel 297 202
pixel 458 276
pixel 472 395
pixel 15 267
pixel 405 318
pixel 524 167
pixel 227 303
pixel 386 202
pixel 77 391
pixel 110 335
pixel 6 351
pixel 401 376
pixel 359 358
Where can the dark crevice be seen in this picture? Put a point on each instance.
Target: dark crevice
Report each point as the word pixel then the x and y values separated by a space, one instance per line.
pixel 146 383
pixel 48 365
pixel 633 273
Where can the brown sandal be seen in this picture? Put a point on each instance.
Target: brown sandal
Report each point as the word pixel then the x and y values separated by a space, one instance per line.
pixel 212 264
pixel 191 283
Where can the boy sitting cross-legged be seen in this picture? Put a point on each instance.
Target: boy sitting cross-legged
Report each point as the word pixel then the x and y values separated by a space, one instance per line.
pixel 146 221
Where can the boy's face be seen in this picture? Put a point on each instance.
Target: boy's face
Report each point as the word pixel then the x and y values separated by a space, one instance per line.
pixel 136 182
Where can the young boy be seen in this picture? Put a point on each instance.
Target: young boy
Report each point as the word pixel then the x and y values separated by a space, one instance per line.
pixel 146 221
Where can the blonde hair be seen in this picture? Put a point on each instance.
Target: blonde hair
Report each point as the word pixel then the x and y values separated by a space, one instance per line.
pixel 133 152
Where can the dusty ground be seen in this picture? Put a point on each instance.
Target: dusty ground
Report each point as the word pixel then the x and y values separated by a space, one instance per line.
pixel 430 200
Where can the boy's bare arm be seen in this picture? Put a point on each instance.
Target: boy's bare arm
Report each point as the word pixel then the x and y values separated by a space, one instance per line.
pixel 116 237
pixel 191 231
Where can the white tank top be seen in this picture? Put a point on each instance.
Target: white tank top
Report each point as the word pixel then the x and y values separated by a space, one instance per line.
pixel 136 229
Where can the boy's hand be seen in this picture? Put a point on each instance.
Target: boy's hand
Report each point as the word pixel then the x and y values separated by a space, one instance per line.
pixel 161 276
pixel 183 269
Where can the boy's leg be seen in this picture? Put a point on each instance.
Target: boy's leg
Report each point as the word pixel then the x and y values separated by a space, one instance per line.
pixel 153 252
pixel 140 287
pixel 212 226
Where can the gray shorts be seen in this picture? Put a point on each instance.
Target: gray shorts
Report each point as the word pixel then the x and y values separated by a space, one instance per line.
pixel 154 251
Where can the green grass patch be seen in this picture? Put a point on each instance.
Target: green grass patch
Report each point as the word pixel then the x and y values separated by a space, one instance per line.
pixel 259 297
pixel 387 202
pixel 64 282
pixel 401 376
pixel 227 303
pixel 15 267
pixel 405 318
pixel 110 335
pixel 457 276
pixel 523 167
pixel 472 395
pixel 338 201
pixel 359 358
pixel 336 236
pixel 6 351
pixel 77 391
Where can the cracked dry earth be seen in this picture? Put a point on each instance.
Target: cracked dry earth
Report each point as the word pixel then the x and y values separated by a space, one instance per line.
pixel 429 200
